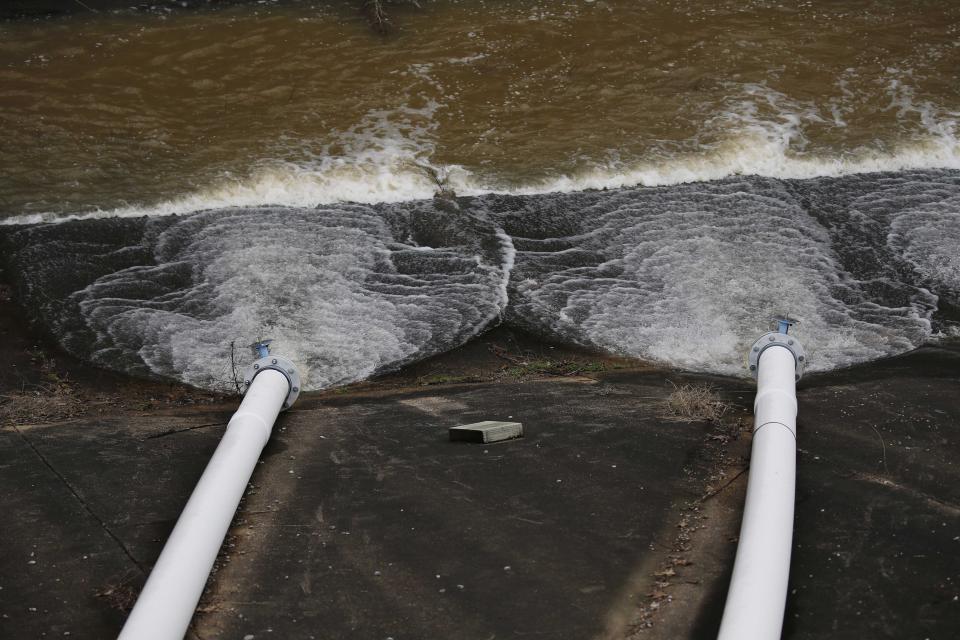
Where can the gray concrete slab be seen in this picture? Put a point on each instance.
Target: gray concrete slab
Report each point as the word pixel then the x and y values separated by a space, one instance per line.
pixel 613 521
pixel 88 505
pixel 361 501
pixel 56 555
pixel 877 542
pixel 367 522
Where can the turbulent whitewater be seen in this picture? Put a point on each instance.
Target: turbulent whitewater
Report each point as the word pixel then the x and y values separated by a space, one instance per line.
pixel 684 275
pixel 345 291
pixel 653 179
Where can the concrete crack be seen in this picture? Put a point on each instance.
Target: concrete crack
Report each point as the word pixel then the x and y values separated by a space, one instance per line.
pixel 80 500
pixel 176 431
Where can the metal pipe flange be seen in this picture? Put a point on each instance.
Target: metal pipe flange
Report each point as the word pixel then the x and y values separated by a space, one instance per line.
pixel 277 363
pixel 778 339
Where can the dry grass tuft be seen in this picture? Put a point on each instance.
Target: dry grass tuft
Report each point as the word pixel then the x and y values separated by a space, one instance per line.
pixel 695 402
pixel 47 403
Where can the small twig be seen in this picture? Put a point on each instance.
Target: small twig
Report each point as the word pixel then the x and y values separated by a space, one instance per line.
pixel 500 352
pixel 433 173
pixel 724 486
pixel 439 179
pixel 377 16
pixel 85 6
pixel 883 449
pixel 233 367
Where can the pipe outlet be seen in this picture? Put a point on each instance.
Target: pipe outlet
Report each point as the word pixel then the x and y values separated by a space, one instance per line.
pixel 275 363
pixel 778 339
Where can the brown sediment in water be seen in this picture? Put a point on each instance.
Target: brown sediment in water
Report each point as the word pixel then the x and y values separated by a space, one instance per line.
pixel 113 109
pixel 611 518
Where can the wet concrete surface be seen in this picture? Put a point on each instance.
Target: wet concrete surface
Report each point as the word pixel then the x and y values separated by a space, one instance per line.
pixel 371 523
pixel 877 535
pixel 88 505
pixel 364 520
pixel 614 521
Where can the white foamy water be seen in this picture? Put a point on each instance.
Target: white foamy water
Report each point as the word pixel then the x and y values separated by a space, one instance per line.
pixel 691 276
pixel 341 291
pixel 686 271
pixel 928 236
pixel 684 275
pixel 750 154
pixel 272 173
pixel 392 174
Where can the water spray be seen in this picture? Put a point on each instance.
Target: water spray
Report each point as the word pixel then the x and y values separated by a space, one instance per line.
pixel 758 588
pixel 168 600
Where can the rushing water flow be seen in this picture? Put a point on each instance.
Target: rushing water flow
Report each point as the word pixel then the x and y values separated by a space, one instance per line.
pixel 299 103
pixel 345 291
pixel 684 275
pixel 269 169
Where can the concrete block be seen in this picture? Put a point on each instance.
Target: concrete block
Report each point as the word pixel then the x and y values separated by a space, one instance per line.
pixel 486 431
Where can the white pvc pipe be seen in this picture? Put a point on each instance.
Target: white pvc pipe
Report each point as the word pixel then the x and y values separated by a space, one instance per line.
pixel 758 588
pixel 167 602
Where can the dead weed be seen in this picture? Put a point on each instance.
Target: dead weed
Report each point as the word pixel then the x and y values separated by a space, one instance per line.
pixel 695 402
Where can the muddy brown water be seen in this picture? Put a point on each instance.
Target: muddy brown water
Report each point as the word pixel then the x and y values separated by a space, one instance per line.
pixel 291 103
pixel 758 158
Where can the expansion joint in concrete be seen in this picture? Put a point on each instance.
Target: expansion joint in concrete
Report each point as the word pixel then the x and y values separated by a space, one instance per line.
pixel 173 432
pixel 80 500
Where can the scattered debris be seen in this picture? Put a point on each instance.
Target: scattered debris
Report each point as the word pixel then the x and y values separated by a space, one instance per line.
pixel 121 593
pixel 443 378
pixel 51 402
pixel 527 365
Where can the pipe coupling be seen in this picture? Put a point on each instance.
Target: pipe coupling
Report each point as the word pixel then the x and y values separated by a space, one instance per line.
pixel 277 363
pixel 777 339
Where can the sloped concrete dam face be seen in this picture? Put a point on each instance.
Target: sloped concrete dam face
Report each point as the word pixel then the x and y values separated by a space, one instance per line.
pixel 684 275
